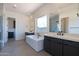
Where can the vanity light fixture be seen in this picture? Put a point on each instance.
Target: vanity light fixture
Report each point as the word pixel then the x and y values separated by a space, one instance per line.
pixel 77 14
pixel 77 11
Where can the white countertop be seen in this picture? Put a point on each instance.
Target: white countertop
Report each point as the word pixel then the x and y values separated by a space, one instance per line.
pixel 66 36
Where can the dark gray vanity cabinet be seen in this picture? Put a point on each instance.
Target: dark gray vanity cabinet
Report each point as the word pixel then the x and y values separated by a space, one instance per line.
pixel 56 47
pixel 52 46
pixel 70 48
pixel 61 47
pixel 47 45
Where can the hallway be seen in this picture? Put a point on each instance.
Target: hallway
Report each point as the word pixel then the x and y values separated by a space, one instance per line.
pixel 20 48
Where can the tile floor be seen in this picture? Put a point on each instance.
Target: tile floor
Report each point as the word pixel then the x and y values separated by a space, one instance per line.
pixel 20 48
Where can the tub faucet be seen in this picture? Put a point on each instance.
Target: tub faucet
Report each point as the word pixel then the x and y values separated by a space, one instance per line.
pixel 38 35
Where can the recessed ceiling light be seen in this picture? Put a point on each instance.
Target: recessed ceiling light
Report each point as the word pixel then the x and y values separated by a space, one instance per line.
pixel 14 6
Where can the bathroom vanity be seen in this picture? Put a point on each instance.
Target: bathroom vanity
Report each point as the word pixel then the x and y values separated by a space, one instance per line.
pixel 61 46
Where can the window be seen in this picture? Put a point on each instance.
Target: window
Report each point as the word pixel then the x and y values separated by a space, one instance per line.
pixel 42 24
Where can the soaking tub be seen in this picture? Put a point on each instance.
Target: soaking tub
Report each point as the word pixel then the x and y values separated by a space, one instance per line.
pixel 35 42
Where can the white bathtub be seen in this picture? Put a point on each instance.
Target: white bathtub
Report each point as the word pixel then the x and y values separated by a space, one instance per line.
pixel 35 42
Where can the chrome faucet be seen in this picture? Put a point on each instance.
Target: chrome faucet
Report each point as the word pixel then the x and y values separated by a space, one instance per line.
pixel 38 35
pixel 60 33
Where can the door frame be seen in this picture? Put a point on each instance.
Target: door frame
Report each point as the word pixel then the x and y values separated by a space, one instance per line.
pixel 64 25
pixel 14 29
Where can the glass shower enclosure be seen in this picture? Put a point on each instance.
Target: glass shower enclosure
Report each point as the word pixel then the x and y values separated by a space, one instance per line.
pixel 1 32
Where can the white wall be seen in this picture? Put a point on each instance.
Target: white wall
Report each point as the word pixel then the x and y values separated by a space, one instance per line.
pixel 31 24
pixel 1 9
pixel 22 24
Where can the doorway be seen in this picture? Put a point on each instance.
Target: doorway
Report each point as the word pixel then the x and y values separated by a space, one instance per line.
pixel 64 24
pixel 11 28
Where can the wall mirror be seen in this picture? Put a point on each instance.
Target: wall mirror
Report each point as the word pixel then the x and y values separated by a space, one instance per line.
pixel 65 24
pixel 54 23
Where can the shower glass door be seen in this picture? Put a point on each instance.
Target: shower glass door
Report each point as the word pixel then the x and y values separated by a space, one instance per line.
pixel 1 31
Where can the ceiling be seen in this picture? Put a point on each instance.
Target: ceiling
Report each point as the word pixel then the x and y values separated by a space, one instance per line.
pixel 28 8
pixel 25 8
